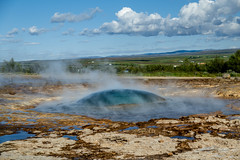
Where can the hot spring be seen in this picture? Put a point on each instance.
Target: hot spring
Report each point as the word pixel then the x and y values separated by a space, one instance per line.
pixel 136 105
pixel 119 97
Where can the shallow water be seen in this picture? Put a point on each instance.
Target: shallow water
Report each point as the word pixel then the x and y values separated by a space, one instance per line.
pixel 71 137
pixel 20 135
pixel 183 137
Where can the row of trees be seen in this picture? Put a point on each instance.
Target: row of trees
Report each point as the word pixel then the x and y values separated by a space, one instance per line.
pixel 12 66
pixel 216 65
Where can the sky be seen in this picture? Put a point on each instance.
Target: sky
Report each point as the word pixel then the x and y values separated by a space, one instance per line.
pixel 66 29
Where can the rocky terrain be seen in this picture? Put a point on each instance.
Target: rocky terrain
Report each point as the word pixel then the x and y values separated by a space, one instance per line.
pixel 28 134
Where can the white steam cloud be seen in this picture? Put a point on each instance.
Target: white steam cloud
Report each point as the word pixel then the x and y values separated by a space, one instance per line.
pixel 174 107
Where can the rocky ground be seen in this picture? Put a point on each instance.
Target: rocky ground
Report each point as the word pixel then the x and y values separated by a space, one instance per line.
pixel 64 136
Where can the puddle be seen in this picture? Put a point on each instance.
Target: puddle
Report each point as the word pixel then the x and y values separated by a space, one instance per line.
pixel 130 128
pixel 183 137
pixel 225 133
pixel 3 122
pixel 234 117
pixel 71 137
pixel 77 127
pixel 152 127
pixel 20 135
pixel 66 128
pixel 51 129
pixel 183 125
pixel 31 120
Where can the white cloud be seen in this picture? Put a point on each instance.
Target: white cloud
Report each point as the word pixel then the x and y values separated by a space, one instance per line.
pixel 24 29
pixel 11 33
pixel 14 31
pixel 69 17
pixel 207 17
pixel 70 31
pixel 10 40
pixel 31 43
pixel 36 31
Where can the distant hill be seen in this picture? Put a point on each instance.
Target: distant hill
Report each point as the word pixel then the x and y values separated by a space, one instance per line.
pixel 178 52
pixel 173 53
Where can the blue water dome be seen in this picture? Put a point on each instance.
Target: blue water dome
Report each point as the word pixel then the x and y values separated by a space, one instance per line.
pixel 119 97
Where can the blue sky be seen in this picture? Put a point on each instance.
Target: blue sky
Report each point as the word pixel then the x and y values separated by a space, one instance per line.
pixel 59 29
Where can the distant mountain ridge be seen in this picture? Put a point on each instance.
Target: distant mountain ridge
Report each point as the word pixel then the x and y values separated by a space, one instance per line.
pixel 178 52
pixel 172 53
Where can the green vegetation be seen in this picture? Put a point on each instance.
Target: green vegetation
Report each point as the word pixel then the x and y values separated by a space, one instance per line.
pixel 200 65
pixel 213 67
pixel 15 67
pixel 234 62
pixel 11 66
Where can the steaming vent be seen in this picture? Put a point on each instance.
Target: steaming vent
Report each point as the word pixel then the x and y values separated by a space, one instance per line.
pixel 135 105
pixel 120 97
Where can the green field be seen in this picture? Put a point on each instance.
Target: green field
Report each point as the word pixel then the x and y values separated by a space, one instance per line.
pixel 168 59
pixel 163 59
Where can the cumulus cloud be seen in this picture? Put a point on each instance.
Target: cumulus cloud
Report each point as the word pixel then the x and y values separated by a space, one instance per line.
pixel 206 17
pixel 36 31
pixel 69 17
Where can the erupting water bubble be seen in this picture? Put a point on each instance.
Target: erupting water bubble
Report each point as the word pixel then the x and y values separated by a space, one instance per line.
pixel 135 105
pixel 118 97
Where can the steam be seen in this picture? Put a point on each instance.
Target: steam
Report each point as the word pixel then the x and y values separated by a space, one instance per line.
pixel 172 108
pixel 177 104
pixel 102 78
pixel 99 79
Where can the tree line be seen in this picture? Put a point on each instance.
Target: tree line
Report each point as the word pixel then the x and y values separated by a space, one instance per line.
pixel 216 65
pixel 15 67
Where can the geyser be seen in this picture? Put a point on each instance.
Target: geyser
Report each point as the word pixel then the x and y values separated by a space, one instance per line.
pixel 120 97
pixel 136 105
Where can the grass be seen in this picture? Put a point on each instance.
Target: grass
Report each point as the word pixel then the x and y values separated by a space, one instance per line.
pixel 170 59
pixel 176 74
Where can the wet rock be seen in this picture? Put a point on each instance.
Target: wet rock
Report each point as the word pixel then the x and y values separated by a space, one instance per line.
pixel 226 76
pixel 214 119
pixel 167 121
pixel 205 136
pixel 235 122
pixel 34 148
pixel 209 147
pixel 86 132
pixel 195 120
pixel 132 144
pixel 220 127
pixel 53 135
